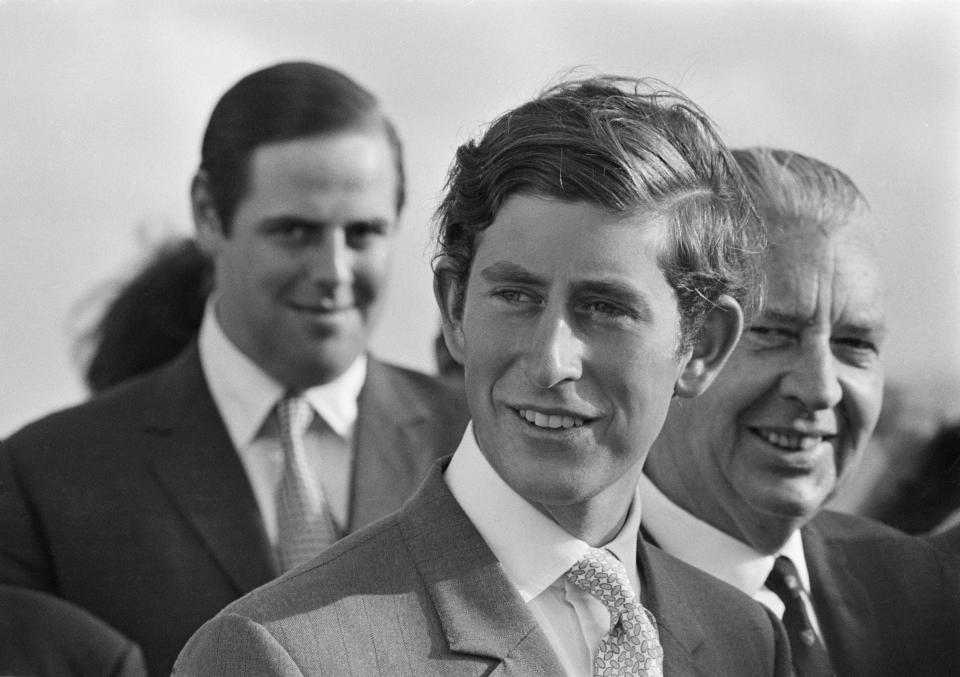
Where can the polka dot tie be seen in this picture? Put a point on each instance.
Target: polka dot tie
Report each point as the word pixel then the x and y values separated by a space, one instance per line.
pixel 632 645
pixel 810 657
pixel 305 526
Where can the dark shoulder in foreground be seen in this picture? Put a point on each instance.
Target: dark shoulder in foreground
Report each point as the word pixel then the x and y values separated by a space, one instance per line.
pixel 947 541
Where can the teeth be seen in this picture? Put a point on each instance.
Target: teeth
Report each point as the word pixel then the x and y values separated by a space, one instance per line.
pixel 550 421
pixel 791 441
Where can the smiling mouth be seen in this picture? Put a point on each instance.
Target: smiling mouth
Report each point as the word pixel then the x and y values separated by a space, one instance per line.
pixel 321 309
pixel 790 441
pixel 550 421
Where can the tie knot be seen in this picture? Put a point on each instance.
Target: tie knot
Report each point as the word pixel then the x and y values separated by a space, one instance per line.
pixel 295 415
pixel 784 580
pixel 602 575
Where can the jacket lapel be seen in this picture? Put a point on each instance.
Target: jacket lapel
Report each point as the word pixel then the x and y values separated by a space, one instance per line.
pixel 673 605
pixel 194 460
pixel 390 433
pixel 842 604
pixel 480 612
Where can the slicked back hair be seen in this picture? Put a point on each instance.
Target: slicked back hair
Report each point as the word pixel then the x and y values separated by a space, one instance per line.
pixel 287 101
pixel 627 146
pixel 790 188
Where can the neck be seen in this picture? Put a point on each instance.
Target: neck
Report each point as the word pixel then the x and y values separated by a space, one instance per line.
pixel 599 519
pixel 763 532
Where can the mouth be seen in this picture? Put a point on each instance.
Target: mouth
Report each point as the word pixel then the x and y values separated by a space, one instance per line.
pixel 321 308
pixel 551 421
pixel 791 440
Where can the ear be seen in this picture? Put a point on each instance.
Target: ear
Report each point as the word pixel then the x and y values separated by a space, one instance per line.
pixel 210 231
pixel 711 347
pixel 448 293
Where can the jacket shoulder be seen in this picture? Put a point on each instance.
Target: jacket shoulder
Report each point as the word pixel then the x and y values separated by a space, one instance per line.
pixel 368 563
pixel 108 419
pixel 423 387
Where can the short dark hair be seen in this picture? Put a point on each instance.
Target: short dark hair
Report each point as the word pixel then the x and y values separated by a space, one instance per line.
pixel 626 145
pixel 788 187
pixel 286 101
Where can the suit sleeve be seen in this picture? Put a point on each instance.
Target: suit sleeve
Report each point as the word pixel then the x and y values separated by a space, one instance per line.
pixel 230 645
pixel 24 558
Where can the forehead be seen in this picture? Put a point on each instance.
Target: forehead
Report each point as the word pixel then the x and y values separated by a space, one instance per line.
pixel 350 160
pixel 813 270
pixel 558 234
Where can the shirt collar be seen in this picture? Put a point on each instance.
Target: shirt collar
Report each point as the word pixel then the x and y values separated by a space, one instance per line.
pixel 245 394
pixel 533 550
pixel 707 548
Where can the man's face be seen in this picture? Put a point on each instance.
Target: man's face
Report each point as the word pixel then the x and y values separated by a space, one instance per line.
pixel 300 275
pixel 569 339
pixel 800 394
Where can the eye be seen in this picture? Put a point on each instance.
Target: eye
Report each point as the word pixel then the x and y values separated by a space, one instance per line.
pixel 290 232
pixel 513 296
pixel 768 337
pixel 856 350
pixel 605 309
pixel 361 234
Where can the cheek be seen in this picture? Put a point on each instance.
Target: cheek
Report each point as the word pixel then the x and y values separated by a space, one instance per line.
pixel 862 396
pixel 371 270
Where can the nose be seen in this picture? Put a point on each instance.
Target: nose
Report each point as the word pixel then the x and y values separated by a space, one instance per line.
pixel 329 262
pixel 554 353
pixel 812 379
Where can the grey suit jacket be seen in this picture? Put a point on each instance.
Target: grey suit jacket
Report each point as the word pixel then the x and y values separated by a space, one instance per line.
pixel 136 507
pixel 420 593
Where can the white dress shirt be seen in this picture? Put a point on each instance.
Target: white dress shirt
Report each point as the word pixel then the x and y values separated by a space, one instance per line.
pixel 701 545
pixel 245 395
pixel 535 553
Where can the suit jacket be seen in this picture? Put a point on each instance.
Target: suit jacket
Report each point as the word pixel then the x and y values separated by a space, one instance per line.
pixel 136 507
pixel 44 636
pixel 421 594
pixel 948 541
pixel 887 603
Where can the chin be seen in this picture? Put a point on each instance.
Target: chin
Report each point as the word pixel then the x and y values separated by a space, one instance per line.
pixel 797 504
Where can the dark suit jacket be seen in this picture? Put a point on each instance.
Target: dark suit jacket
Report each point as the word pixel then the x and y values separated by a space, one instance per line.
pixel 947 541
pixel 420 594
pixel 136 507
pixel 888 603
pixel 45 636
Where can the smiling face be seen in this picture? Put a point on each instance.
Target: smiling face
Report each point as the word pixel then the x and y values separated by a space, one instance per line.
pixel 798 398
pixel 299 276
pixel 569 338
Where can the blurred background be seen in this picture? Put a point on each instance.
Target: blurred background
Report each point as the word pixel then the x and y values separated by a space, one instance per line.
pixel 102 106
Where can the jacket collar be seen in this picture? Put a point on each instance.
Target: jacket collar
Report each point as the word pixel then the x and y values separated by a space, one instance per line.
pixel 480 612
pixel 193 459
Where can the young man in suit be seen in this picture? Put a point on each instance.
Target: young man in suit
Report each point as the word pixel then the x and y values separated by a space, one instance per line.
pixel 158 502
pixel 737 480
pixel 595 256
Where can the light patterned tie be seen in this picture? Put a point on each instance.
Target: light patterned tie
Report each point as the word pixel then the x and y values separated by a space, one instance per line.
pixel 305 525
pixel 632 645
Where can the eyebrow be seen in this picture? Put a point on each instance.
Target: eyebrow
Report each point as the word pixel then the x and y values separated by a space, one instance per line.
pixel 868 325
pixel 620 292
pixel 291 219
pixel 506 272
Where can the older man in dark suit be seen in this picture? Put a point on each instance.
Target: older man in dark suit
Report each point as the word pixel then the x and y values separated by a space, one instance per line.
pixel 595 257
pixel 160 501
pixel 737 480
